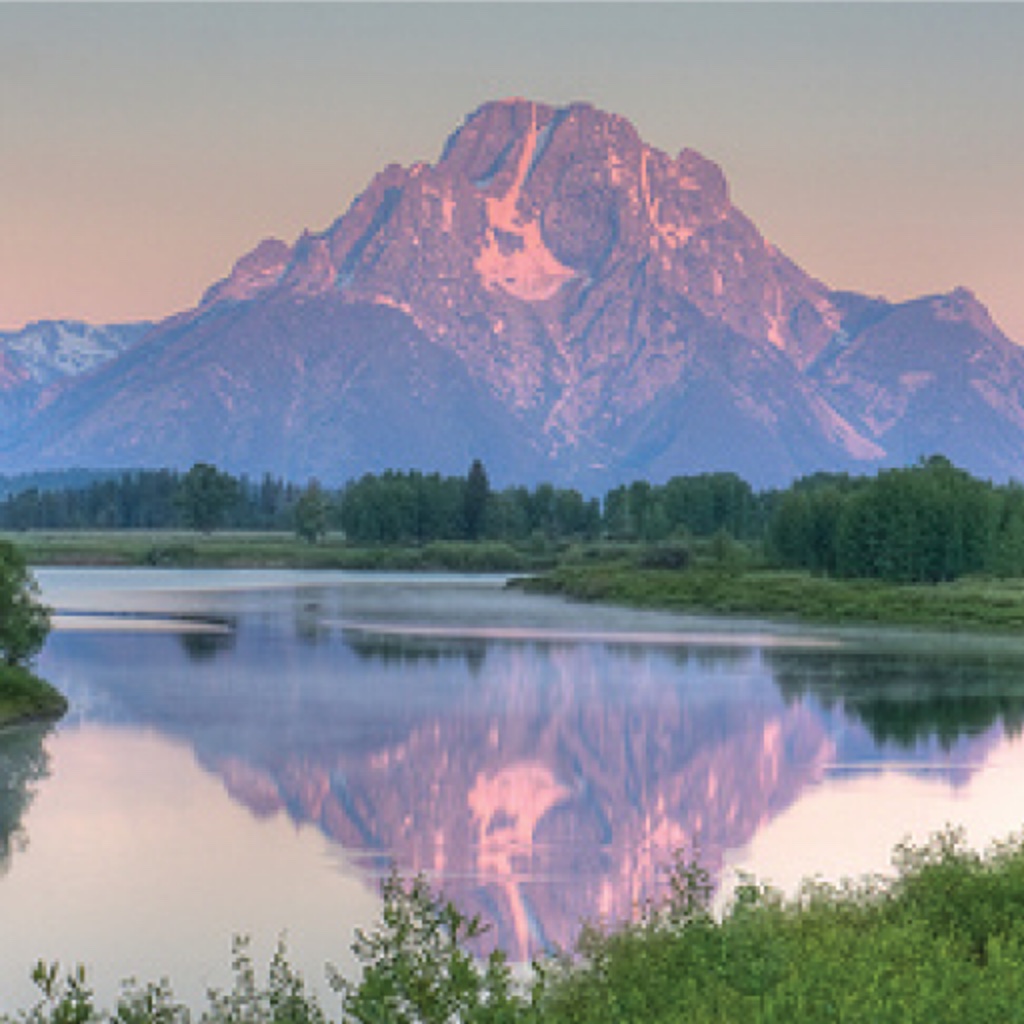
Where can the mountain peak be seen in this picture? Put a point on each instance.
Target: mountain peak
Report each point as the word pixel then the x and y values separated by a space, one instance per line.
pixel 252 273
pixel 601 304
pixel 961 305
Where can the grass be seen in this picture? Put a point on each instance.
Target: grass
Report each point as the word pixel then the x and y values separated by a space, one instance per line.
pixel 265 550
pixel 628 574
pixel 24 697
pixel 967 604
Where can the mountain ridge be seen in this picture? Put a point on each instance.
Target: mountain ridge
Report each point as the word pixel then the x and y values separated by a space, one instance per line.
pixel 598 307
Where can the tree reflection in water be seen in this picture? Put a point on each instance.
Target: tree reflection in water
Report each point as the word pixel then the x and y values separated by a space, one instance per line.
pixel 204 645
pixel 911 699
pixel 23 762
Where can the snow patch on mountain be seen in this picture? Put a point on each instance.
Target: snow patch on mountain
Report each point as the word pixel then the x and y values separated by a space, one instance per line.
pixel 513 256
pixel 44 352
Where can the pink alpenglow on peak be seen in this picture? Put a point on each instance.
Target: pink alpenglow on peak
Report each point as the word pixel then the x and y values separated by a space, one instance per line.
pixel 558 297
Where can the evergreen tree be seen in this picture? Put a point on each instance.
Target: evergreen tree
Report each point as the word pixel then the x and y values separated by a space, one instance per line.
pixel 477 494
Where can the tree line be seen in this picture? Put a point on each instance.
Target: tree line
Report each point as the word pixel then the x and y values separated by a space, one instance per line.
pixel 388 508
pixel 203 498
pixel 925 523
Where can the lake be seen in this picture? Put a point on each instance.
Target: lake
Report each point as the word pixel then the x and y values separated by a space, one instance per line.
pixel 249 752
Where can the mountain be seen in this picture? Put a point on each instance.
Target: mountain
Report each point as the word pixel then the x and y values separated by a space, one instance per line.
pixel 931 375
pixel 562 300
pixel 44 354
pixel 299 389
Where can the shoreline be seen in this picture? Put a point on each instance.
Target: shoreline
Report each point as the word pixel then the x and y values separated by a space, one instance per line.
pixel 970 604
pixel 965 606
pixel 26 699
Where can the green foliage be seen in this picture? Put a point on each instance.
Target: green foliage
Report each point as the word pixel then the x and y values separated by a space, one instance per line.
pixel 282 1000
pixel 66 998
pixel 23 696
pixel 671 555
pixel 311 513
pixel 940 943
pixel 475 499
pixel 416 969
pixel 964 605
pixel 417 508
pixel 699 505
pixel 926 524
pixel 204 496
pixel 24 620
pixel 873 952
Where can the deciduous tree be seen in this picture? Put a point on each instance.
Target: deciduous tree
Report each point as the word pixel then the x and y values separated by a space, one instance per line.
pixel 311 513
pixel 205 495
pixel 24 620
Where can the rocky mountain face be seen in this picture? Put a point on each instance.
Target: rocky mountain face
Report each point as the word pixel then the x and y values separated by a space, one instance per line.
pixel 931 375
pixel 562 300
pixel 45 354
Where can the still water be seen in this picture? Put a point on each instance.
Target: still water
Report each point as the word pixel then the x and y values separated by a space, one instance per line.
pixel 248 752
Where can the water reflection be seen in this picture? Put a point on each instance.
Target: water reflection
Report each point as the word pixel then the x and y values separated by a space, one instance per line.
pixel 24 762
pixel 910 698
pixel 412 651
pixel 205 645
pixel 540 780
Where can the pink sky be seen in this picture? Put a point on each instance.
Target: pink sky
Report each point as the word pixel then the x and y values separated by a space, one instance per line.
pixel 144 148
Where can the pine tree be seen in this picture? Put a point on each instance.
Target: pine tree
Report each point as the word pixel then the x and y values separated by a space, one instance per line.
pixel 477 494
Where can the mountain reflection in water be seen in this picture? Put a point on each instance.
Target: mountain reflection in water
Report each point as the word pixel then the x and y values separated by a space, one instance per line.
pixel 538 783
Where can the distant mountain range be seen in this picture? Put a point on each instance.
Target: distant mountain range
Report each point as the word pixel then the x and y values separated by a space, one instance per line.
pixel 552 296
pixel 49 353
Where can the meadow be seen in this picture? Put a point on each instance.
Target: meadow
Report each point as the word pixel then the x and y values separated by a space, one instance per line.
pixel 968 604
pixel 229 549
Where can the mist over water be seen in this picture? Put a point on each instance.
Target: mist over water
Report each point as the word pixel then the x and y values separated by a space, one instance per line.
pixel 249 751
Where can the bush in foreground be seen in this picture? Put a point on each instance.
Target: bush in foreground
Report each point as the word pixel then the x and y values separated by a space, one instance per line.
pixel 943 941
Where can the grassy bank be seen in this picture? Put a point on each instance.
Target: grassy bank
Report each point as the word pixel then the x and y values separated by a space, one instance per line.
pixel 942 942
pixel 613 573
pixel 24 697
pixel 968 604
pixel 238 550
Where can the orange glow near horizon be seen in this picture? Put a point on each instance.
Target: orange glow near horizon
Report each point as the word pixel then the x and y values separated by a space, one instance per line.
pixel 144 150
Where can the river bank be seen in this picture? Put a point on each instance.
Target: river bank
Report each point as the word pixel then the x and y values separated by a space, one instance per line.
pixel 940 942
pixel 24 697
pixel 600 571
pixel 970 604
pixel 267 550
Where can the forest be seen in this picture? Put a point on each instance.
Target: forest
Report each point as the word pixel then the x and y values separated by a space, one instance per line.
pixel 930 522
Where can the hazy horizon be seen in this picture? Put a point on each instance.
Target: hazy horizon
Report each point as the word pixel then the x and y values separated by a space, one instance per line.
pixel 147 147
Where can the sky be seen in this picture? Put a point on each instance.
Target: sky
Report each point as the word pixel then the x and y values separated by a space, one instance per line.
pixel 146 147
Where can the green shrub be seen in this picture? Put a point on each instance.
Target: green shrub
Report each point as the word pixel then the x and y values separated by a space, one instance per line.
pixel 941 943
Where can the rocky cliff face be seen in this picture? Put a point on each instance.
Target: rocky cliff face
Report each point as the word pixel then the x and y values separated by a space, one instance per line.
pixel 932 375
pixel 604 304
pixel 43 355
